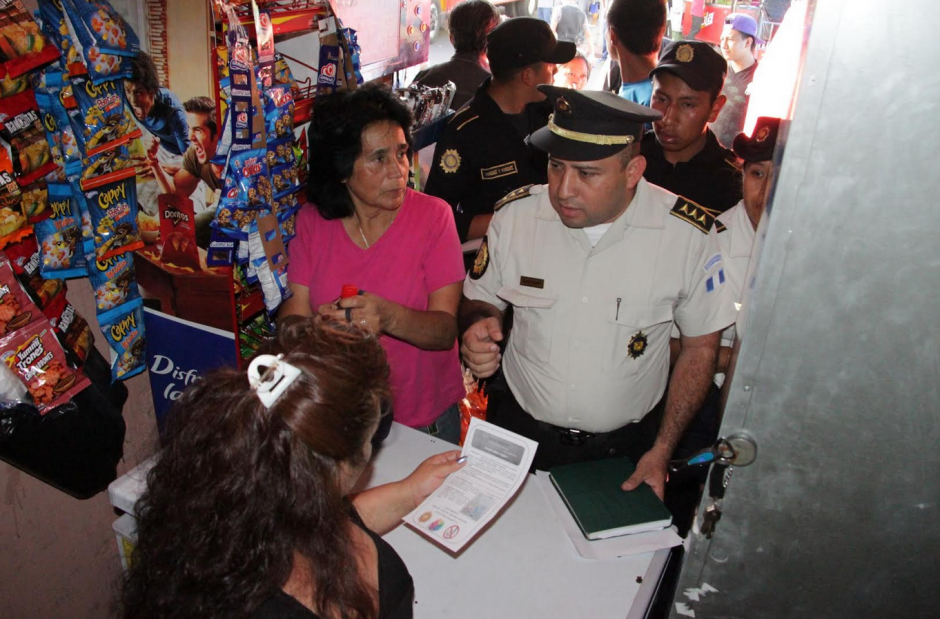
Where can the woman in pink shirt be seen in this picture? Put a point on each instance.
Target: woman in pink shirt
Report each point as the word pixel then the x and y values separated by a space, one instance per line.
pixel 399 247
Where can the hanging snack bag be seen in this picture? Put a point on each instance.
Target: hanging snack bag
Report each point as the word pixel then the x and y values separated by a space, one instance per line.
pixel 123 327
pixel 36 357
pixel 102 123
pixel 280 152
pixel 178 231
pixel 60 236
pixel 111 200
pixel 250 173
pixel 22 45
pixel 55 29
pixel 16 308
pixel 107 162
pixel 279 113
pixel 59 132
pixel 99 65
pixel 20 127
pixel 74 333
pixel 26 261
pixel 35 201
pixel 97 24
pixel 114 281
pixel 12 221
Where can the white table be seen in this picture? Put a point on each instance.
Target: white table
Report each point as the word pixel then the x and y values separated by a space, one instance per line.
pixel 523 566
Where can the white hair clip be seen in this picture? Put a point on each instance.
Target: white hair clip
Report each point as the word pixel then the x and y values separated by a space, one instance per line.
pixel 277 377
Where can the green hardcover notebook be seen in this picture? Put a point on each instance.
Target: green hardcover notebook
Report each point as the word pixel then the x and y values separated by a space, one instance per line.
pixel 591 490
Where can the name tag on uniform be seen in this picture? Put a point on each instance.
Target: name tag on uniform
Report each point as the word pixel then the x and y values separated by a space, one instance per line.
pixel 532 282
pixel 498 171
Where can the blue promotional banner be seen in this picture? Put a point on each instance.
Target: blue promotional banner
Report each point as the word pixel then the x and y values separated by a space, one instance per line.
pixel 180 352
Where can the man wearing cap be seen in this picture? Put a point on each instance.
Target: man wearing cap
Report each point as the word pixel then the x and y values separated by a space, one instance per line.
pixel 682 153
pixel 597 267
pixel 738 42
pixel 482 154
pixel 735 229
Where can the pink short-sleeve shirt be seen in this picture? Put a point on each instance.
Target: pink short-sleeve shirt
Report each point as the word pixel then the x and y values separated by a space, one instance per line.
pixel 418 254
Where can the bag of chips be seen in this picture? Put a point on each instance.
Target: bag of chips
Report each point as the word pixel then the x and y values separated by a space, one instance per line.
pixel 111 200
pixel 55 29
pixel 12 221
pixel 123 327
pixel 36 357
pixel 20 127
pixel 97 24
pixel 113 280
pixel 74 332
pixel 59 132
pixel 103 123
pixel 35 201
pixel 60 236
pixel 98 64
pixel 16 308
pixel 22 45
pixel 10 86
pixel 178 231
pixel 26 262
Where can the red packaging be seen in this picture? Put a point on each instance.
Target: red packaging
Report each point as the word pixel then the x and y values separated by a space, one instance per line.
pixel 348 291
pixel 21 128
pixel 25 260
pixel 22 46
pixel 16 308
pixel 36 357
pixel 474 405
pixel 178 231
pixel 74 332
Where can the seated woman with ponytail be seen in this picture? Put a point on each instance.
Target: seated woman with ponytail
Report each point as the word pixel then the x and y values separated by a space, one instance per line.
pixel 248 511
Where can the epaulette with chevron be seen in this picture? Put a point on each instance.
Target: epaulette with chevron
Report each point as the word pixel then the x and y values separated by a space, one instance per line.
pixel 695 214
pixel 513 195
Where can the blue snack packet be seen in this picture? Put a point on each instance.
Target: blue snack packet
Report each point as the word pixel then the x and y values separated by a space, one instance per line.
pixel 111 200
pixel 103 123
pixel 60 236
pixel 114 281
pixel 97 24
pixel 123 328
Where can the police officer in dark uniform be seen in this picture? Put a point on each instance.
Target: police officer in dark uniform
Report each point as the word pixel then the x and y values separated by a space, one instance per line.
pixel 682 153
pixel 483 154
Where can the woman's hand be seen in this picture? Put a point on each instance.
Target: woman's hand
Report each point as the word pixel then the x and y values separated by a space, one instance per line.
pixel 430 474
pixel 367 311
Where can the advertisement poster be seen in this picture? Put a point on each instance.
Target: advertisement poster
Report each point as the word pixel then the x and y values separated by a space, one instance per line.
pixel 180 352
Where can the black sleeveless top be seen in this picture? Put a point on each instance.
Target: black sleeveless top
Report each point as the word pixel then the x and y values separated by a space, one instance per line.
pixel 396 588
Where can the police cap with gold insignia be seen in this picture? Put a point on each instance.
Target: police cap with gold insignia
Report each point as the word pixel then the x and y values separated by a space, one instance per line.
pixel 760 146
pixel 695 63
pixel 588 125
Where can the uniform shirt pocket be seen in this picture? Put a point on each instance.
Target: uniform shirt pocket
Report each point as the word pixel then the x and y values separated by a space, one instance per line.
pixel 640 336
pixel 533 322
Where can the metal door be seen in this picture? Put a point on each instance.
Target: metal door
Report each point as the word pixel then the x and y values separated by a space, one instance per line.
pixel 838 372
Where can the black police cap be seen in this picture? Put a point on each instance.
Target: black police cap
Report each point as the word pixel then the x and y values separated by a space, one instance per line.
pixel 695 63
pixel 521 41
pixel 760 146
pixel 588 125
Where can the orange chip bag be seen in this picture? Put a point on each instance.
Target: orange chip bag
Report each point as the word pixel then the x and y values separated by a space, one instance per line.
pixel 36 357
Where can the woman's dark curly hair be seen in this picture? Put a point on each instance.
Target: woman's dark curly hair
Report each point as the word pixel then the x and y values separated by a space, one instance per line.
pixel 335 142
pixel 239 489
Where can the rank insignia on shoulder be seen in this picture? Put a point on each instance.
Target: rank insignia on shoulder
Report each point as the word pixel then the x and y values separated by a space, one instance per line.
pixel 637 345
pixel 513 195
pixel 697 215
pixel 481 261
pixel 450 161
pixel 720 227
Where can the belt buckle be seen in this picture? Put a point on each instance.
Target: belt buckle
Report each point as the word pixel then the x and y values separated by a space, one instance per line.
pixel 432 428
pixel 570 436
